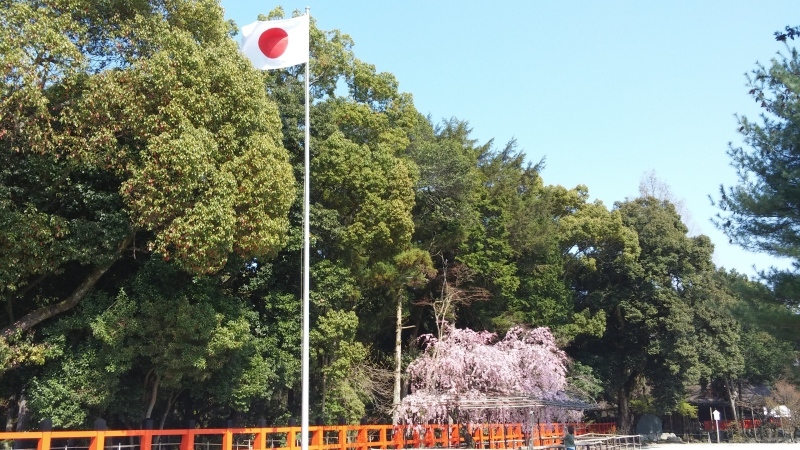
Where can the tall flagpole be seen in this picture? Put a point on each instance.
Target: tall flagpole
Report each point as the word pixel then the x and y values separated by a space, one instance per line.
pixel 306 270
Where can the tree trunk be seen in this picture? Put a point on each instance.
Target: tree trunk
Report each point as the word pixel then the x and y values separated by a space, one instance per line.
pixel 153 396
pixel 624 422
pixel 9 310
pixel 398 360
pixel 170 401
pixel 10 414
pixel 732 399
pixel 23 414
pixel 34 318
pixel 20 293
pixel 624 415
pixel 323 362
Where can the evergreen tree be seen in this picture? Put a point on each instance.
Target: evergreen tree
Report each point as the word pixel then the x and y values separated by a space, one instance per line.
pixel 761 212
pixel 655 295
pixel 128 131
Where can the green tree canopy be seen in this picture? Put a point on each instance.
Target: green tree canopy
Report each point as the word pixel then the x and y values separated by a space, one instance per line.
pixel 128 129
pixel 761 212
pixel 655 294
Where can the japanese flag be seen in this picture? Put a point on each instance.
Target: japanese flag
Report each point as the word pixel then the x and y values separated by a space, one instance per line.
pixel 276 44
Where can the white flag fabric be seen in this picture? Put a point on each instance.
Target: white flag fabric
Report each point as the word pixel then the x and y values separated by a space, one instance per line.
pixel 275 44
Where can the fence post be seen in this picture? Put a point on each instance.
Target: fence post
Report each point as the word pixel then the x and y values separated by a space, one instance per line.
pixel 227 439
pixel 361 436
pixel 146 439
pixel 341 433
pixel 260 441
pixel 46 427
pixel 427 438
pixel 397 436
pixel 317 434
pixel 187 440
pixel 416 438
pixel 477 436
pixel 98 441
pixel 291 435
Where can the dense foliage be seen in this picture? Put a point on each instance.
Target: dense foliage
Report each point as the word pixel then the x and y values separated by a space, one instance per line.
pixel 761 212
pixel 150 242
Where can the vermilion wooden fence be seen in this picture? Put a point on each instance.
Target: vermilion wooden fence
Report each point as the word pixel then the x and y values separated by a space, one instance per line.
pixel 343 437
pixel 747 424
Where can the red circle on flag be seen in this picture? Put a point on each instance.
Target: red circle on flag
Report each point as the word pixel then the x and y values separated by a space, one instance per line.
pixel 273 42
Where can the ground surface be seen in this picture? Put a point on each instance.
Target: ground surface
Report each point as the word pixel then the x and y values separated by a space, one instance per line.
pixel 722 446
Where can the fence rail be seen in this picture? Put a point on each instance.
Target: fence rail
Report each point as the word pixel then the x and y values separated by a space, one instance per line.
pixel 593 441
pixel 746 424
pixel 333 437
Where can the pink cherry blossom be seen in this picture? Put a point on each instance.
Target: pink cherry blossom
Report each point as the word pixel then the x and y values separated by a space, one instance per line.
pixel 471 376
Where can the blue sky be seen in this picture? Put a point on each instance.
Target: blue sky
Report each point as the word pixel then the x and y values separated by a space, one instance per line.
pixel 606 91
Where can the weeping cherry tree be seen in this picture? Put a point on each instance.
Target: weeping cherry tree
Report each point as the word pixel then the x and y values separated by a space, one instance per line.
pixel 471 376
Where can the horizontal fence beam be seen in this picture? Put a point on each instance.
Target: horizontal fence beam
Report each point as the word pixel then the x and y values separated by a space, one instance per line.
pixel 330 437
pixel 746 424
